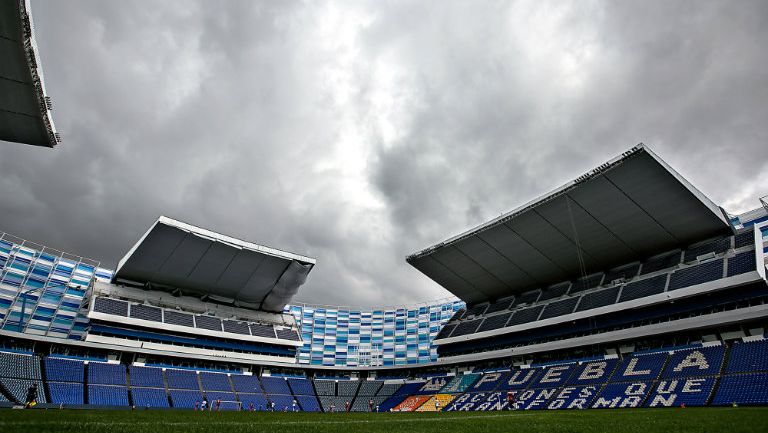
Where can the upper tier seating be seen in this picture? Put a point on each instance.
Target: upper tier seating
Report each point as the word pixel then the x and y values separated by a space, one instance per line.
pixel 275 385
pixel 325 387
pixel 559 308
pixel 554 291
pixel 208 322
pixel 177 318
pixel 301 386
pixel 494 322
pixel 742 263
pixel 200 321
pixel 586 283
pixel 466 327
pixel 146 376
pixel 106 374
pixel 64 370
pixel 717 246
pixel 744 238
pixel 748 357
pixel 500 305
pixel 525 315
pixel 527 298
pixel 369 388
pixel 658 263
pixel 246 383
pixel 215 381
pixel 642 288
pixel 626 272
pixel 601 298
pixel 145 312
pixel 20 366
pixel 182 379
pixel 236 327
pixel 476 310
pixel 698 274
pixel 110 306
pixel 347 388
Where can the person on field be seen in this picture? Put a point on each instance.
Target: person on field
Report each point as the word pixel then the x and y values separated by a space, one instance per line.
pixel 204 405
pixel 510 400
pixel 346 406
pixel 197 404
pixel 250 406
pixel 437 405
pixel 294 406
pixel 370 405
pixel 218 404
pixel 31 396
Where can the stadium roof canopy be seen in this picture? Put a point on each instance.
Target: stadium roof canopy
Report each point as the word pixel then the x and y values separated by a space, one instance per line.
pixel 178 256
pixel 628 209
pixel 25 115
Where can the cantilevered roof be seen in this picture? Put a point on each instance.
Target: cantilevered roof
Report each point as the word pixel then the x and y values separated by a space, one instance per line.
pixel 25 115
pixel 176 255
pixel 627 209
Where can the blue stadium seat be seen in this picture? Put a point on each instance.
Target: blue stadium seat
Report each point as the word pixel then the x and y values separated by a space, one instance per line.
pixel 748 357
pixel 146 376
pixel 675 392
pixel 698 274
pixel 181 379
pixel 185 398
pixel 743 389
pixel 519 378
pixel 553 376
pixel 640 367
pixel 703 361
pixel 66 392
pixel 573 397
pixel 275 385
pixel 106 374
pixel 489 381
pixel 742 263
pixel 621 395
pixel 64 370
pixel 107 395
pixel 215 381
pixel 301 386
pixel 594 372
pixel 246 383
pixel 308 403
pixel 149 397
pixel 258 400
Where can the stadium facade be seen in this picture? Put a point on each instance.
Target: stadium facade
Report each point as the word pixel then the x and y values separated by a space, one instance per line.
pixel 627 287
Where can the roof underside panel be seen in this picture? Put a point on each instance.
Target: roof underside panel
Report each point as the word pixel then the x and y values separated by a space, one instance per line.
pixel 175 255
pixel 24 115
pixel 626 210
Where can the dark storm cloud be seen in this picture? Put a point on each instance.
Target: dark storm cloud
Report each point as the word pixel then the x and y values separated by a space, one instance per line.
pixel 360 132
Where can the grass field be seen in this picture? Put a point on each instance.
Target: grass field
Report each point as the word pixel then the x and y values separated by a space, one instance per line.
pixel 729 420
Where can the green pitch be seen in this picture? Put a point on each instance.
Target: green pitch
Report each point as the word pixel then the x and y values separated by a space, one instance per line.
pixel 718 420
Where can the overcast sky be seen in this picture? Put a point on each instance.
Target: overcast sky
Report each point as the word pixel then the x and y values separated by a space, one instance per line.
pixel 361 132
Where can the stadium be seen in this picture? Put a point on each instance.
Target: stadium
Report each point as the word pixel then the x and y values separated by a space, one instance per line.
pixel 621 293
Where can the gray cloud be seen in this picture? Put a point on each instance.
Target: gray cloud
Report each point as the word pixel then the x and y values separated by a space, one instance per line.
pixel 361 132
